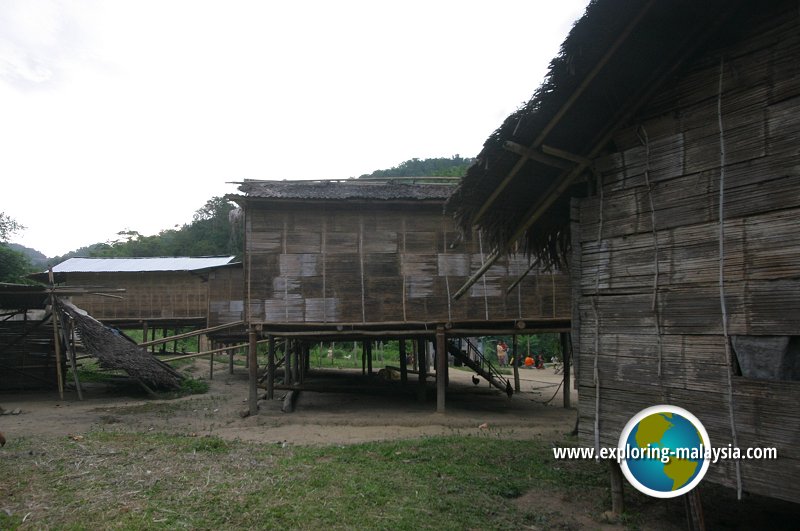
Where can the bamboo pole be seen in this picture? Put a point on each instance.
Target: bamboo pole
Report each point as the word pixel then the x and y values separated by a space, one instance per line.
pixel 187 334
pixel 207 352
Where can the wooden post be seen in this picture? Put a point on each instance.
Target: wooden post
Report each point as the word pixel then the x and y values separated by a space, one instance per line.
pixel 403 362
pixel 617 499
pixel 368 350
pixel 287 362
pixel 441 369
pixel 363 358
pixel 695 521
pixel 422 369
pixel 252 353
pixel 355 357
pixel 232 352
pixel 57 344
pixel 271 368
pixel 566 355
pixel 514 348
pixel 69 345
pixel 210 365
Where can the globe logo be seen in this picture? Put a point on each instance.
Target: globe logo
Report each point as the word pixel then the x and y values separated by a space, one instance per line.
pixel 663 450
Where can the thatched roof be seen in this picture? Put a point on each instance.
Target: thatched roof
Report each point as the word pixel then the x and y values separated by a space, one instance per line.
pixel 349 190
pixel 606 79
pixel 116 352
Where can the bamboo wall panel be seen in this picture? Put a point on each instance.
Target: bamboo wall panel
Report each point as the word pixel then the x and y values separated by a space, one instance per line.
pixel 148 295
pixel 29 362
pixel 226 296
pixel 385 263
pixel 676 139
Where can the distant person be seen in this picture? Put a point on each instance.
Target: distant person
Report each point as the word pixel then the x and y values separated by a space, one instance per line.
pixel 540 362
pixel 528 361
pixel 502 354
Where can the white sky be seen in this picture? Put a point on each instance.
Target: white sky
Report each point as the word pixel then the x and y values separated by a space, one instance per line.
pixel 131 114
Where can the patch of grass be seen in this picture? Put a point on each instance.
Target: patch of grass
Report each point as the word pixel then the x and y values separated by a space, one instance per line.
pixel 159 481
pixel 192 386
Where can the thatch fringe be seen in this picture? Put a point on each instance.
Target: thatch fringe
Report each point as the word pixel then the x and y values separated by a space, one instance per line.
pixel 115 351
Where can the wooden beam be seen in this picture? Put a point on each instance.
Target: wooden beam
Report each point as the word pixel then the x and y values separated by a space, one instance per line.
pixel 523 275
pixel 538 156
pixel 564 109
pixel 566 155
pixel 490 260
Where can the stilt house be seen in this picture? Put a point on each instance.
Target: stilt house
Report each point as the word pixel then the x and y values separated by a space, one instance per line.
pixel 164 292
pixel 363 259
pixel 660 160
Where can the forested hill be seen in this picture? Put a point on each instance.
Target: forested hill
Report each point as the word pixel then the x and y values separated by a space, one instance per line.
pixel 455 166
pixel 212 231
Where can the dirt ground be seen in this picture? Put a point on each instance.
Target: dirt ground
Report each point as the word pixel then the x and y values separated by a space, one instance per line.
pixel 372 409
pixel 385 410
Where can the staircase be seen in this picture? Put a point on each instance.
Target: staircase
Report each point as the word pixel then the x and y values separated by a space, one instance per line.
pixel 480 365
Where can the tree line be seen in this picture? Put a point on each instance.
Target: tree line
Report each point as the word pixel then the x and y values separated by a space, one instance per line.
pixel 213 231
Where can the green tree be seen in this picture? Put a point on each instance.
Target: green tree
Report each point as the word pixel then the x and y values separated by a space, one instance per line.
pixel 13 264
pixel 455 166
pixel 211 232
pixel 8 226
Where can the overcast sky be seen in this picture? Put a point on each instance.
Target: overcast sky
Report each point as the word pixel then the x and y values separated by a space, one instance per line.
pixel 130 115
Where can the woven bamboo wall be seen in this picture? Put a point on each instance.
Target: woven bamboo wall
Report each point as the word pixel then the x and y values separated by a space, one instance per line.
pixel 384 262
pixel 677 139
pixel 27 360
pixel 148 296
pixel 225 295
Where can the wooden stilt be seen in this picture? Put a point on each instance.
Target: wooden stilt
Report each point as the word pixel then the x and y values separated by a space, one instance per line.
pixel 566 351
pixel 441 369
pixel 368 351
pixel 403 362
pixel 422 369
pixel 231 354
pixel 210 366
pixel 695 521
pixel 515 350
pixel 252 354
pixel 271 368
pixel 287 363
pixel 363 358
pixel 617 499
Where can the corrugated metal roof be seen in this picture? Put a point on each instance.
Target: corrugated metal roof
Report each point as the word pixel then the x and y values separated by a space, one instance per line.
pixel 136 265
pixel 354 189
